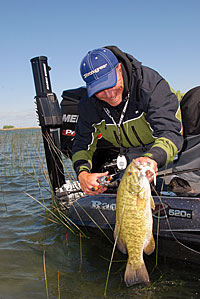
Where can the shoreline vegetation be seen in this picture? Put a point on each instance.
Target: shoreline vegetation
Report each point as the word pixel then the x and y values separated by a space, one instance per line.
pixel 20 128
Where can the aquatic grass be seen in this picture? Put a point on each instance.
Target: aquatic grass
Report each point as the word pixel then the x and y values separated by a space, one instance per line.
pixel 65 220
pixel 157 230
pixel 27 152
pixel 55 216
pixel 106 220
pixel 81 254
pixel 19 147
pixel 4 203
pixel 114 247
pixel 44 170
pixel 70 174
pixel 66 239
pixel 95 223
pixel 27 155
pixel 49 219
pixel 68 220
pixel 55 150
pixel 160 282
pixel 58 285
pixel 21 158
pixel 45 275
pixel 40 185
pixel 17 166
pixel 114 261
pixel 81 221
pixel 24 160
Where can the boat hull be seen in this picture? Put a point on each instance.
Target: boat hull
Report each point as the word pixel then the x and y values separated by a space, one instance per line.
pixel 176 222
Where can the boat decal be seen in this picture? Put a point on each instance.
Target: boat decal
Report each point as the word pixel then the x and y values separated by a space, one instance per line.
pixel 97 204
pixel 68 132
pixel 70 118
pixel 163 211
pixel 180 213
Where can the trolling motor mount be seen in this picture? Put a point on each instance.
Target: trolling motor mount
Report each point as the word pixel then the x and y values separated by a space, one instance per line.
pixel 49 111
pixel 48 108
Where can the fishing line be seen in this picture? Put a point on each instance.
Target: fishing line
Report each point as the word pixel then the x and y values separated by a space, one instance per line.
pixel 114 247
pixel 171 231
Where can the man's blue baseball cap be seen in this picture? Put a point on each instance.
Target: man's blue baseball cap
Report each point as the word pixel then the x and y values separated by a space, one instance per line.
pixel 98 70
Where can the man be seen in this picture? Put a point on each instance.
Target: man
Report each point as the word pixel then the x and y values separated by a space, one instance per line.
pixel 133 107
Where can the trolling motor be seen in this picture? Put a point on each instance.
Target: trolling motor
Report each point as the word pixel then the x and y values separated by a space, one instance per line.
pixel 50 120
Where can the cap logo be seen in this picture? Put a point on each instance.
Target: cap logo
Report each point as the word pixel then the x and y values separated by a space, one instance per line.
pixel 98 70
pixel 95 70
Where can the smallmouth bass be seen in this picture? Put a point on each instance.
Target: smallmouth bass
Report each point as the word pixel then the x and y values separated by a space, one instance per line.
pixel 133 227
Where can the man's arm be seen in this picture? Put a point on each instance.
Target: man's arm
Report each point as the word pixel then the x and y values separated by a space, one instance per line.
pixel 164 118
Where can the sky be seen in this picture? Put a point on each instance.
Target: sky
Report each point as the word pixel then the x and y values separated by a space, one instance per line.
pixel 163 35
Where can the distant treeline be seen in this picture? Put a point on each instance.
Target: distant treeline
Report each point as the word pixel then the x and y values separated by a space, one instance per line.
pixel 8 127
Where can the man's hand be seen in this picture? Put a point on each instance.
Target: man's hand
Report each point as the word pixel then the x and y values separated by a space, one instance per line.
pixel 89 182
pixel 146 161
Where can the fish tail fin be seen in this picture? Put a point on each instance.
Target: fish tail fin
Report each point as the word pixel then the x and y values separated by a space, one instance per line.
pixel 120 244
pixel 150 246
pixel 135 276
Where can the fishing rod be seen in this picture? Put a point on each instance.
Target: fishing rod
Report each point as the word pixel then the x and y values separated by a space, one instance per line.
pixel 177 172
pixel 110 182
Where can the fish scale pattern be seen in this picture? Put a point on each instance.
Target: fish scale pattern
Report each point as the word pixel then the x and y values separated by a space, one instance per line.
pixel 133 215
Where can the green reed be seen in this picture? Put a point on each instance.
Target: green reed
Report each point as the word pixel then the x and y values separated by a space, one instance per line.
pixel 22 153
pixel 45 275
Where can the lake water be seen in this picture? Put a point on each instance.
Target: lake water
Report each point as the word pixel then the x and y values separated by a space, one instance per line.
pixel 32 246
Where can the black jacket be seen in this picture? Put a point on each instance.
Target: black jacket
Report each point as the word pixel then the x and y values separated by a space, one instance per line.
pixel 152 116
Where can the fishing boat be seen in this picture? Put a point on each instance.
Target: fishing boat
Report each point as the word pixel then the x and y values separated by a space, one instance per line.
pixel 176 218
